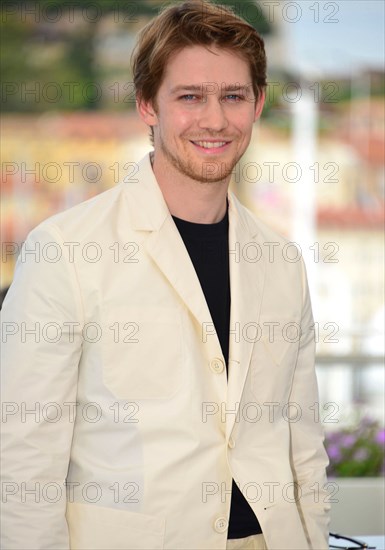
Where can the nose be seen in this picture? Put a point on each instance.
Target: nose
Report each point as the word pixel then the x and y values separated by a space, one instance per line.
pixel 212 115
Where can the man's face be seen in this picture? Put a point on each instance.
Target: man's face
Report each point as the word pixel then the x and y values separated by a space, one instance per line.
pixel 205 113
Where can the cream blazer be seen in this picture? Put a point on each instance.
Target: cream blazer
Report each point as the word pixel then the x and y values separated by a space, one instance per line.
pixel 120 427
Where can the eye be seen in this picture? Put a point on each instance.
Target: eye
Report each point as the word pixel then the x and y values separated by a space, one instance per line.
pixel 234 97
pixel 188 97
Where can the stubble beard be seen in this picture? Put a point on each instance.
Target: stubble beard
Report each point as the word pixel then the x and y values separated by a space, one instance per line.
pixel 211 171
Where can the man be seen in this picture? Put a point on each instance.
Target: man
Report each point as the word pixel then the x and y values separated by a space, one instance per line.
pixel 160 365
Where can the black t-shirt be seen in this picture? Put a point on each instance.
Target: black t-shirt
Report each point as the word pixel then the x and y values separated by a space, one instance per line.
pixel 208 247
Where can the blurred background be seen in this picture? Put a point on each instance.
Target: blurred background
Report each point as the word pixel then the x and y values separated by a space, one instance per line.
pixel 314 169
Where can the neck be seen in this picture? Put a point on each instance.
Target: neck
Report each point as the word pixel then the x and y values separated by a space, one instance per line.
pixel 191 200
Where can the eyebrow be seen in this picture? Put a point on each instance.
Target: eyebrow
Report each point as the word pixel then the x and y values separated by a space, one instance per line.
pixel 199 88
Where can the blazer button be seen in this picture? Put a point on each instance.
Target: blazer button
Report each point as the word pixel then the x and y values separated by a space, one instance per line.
pixel 217 365
pixel 221 525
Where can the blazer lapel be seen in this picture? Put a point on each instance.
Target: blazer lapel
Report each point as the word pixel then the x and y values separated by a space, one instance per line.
pixel 247 274
pixel 168 251
pixel 162 241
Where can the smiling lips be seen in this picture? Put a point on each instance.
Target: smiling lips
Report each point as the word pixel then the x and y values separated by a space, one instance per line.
pixel 213 146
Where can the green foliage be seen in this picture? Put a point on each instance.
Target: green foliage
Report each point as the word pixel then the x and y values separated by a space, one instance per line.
pixel 358 451
pixel 250 12
pixel 49 50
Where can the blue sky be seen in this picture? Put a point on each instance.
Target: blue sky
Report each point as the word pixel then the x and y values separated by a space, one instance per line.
pixel 349 35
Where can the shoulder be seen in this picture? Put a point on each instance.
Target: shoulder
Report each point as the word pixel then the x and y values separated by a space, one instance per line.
pixel 106 210
pixel 85 218
pixel 102 212
pixel 279 254
pixel 262 231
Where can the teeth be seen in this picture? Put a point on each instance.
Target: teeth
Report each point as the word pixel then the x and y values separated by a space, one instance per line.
pixel 209 144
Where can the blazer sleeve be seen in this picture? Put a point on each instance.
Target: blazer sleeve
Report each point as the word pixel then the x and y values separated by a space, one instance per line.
pixel 41 348
pixel 308 456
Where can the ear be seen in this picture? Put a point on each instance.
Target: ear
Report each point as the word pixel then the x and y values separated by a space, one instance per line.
pixel 259 106
pixel 146 112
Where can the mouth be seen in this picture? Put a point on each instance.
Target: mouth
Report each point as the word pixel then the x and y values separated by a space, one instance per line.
pixel 211 147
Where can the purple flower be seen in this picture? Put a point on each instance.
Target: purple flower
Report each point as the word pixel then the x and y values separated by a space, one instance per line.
pixel 380 437
pixel 348 440
pixel 332 437
pixel 355 450
pixel 361 454
pixel 334 452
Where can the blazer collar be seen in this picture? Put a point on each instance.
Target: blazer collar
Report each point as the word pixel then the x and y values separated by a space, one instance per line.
pixel 149 210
